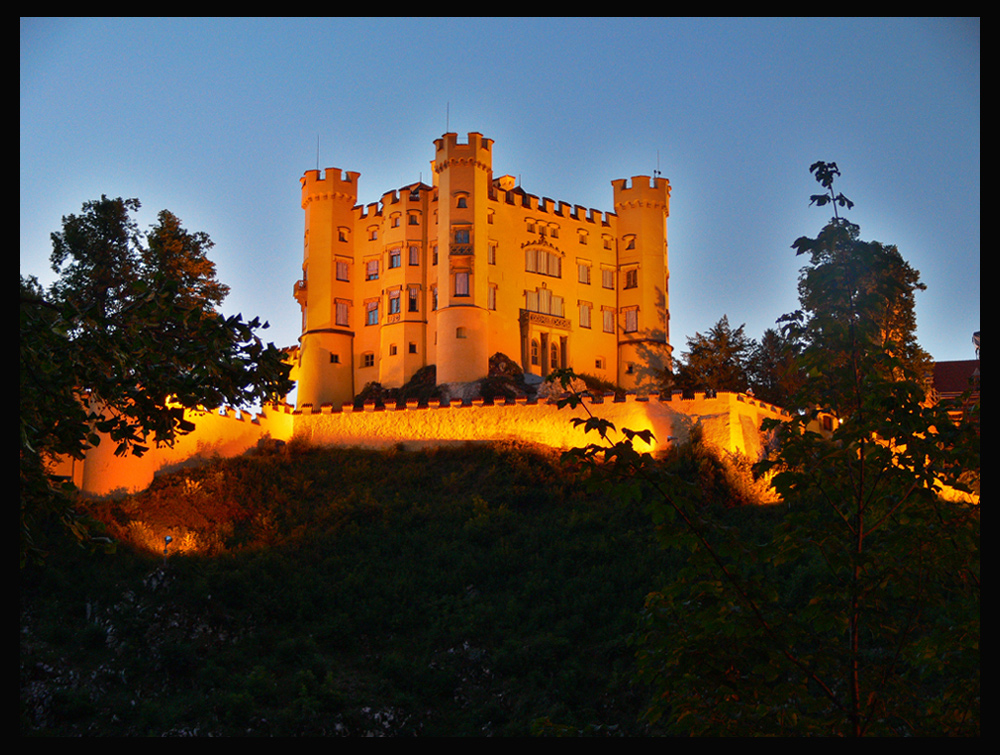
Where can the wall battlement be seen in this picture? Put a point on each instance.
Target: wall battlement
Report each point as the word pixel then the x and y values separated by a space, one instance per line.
pixel 334 184
pixel 555 207
pixel 643 192
pixel 727 420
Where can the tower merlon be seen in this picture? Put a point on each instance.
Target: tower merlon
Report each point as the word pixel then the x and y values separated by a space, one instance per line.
pixel 477 150
pixel 643 192
pixel 334 184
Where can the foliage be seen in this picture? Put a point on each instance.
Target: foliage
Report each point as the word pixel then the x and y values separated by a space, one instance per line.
pixel 899 562
pixel 859 614
pixel 124 341
pixel 773 370
pixel 181 256
pixel 857 320
pixel 716 360
pixel 472 591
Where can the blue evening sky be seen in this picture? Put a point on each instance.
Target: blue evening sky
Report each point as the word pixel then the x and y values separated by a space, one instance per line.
pixel 216 120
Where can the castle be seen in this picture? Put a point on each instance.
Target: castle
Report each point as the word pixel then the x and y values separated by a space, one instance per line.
pixel 450 274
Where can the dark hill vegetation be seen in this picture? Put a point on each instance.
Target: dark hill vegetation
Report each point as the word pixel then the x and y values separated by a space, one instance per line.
pixel 471 590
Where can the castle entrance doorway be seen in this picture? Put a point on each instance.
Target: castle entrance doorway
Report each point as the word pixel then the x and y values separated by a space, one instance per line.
pixel 544 342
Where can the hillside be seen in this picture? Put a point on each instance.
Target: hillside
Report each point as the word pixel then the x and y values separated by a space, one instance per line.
pixel 475 590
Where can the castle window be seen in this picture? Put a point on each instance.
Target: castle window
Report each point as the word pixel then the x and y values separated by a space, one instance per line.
pixel 599 363
pixel 585 308
pixel 607 278
pixel 631 319
pixel 434 259
pixel 413 348
pixel 632 278
pixel 462 202
pixel 373 234
pixel 491 297
pixel 461 332
pixel 371 312
pixel 371 270
pixel 489 217
pixel 368 359
pixel 395 258
pixel 607 242
pixel 461 284
pixel 394 303
pixel 395 221
pixel 534 352
pixel 491 254
pixel 583 273
pixel 413 300
pixel 342 234
pixel 630 368
pixel 630 242
pixel 542 262
pixel 414 256
pixel 343 312
pixel 392 349
pixel 342 270
pixel 434 298
pixel 541 300
pixel 553 354
pixel 335 359
pixel 582 236
pixel 414 219
pixel 609 320
pixel 462 236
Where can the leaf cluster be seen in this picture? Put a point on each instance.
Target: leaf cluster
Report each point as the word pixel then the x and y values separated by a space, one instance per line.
pixel 835 622
pixel 123 343
pixel 725 359
pixel 717 360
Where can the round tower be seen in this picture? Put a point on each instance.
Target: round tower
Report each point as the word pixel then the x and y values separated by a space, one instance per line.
pixel 463 176
pixel 325 291
pixel 644 350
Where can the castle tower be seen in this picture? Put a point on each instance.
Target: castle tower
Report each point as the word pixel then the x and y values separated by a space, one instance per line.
pixel 325 291
pixel 463 173
pixel 643 294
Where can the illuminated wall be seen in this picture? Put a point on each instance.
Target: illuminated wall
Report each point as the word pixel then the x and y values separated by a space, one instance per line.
pixel 216 434
pixel 728 421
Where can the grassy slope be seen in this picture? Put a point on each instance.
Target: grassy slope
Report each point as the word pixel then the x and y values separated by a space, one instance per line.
pixel 462 591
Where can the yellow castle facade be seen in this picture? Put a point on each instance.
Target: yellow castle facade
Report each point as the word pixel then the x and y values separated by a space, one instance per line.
pixel 453 273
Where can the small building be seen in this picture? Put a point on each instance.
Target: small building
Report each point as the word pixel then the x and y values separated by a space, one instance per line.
pixel 453 273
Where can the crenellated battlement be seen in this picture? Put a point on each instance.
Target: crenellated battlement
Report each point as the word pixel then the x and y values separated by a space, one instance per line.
pixel 644 192
pixel 476 150
pixel 547 206
pixel 366 212
pixel 728 420
pixel 334 184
